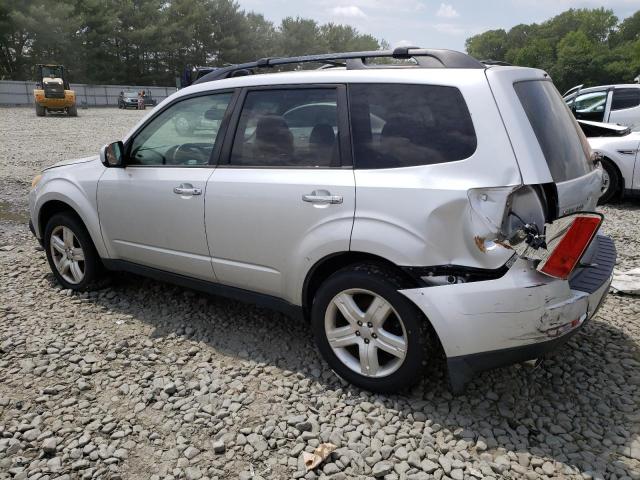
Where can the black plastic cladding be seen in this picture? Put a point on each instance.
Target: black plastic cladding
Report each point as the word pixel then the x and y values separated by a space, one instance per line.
pixel 424 57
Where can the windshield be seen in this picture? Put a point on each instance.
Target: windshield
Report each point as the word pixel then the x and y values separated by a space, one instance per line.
pixel 130 94
pixel 52 72
pixel 563 144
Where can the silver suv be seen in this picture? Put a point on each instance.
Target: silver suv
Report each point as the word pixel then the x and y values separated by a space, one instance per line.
pixel 423 205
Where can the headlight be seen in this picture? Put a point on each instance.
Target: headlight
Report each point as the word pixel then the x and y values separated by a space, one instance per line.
pixel 36 180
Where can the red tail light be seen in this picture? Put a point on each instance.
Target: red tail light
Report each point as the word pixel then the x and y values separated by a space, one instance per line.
pixel 568 245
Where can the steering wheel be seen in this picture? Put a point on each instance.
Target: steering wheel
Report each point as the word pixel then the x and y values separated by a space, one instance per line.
pixel 153 152
pixel 181 154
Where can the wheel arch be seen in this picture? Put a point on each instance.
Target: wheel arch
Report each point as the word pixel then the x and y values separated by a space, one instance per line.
pixel 608 159
pixel 53 205
pixel 328 265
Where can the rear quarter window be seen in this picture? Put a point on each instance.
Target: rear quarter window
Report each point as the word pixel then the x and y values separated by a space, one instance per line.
pixel 400 125
pixel 561 140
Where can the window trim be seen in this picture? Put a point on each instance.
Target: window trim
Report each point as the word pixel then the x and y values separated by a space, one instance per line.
pixel 217 145
pixel 344 133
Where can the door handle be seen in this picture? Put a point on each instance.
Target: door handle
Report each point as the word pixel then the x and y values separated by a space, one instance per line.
pixel 187 189
pixel 322 196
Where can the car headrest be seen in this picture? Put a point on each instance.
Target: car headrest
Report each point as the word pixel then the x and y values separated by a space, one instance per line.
pixel 322 134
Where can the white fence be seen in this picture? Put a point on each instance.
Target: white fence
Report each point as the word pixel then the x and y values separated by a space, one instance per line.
pixel 21 93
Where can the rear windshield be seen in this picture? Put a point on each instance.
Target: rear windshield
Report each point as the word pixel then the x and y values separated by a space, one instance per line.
pixel 563 144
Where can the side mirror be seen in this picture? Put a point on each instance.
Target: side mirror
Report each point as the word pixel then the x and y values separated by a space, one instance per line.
pixel 112 155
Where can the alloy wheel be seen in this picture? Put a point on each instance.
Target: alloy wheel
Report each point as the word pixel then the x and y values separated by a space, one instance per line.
pixel 366 333
pixel 606 182
pixel 67 254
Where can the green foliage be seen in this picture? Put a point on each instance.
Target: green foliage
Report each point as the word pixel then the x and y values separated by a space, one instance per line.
pixel 151 41
pixel 579 46
pixel 491 45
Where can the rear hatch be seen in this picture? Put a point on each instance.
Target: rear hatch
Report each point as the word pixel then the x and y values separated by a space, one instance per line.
pixel 549 145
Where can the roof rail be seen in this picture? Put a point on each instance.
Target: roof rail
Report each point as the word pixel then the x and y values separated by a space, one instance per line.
pixel 424 57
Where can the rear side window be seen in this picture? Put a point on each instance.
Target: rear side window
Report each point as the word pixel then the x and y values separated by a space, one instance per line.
pixel 563 144
pixel 399 125
pixel 625 98
pixel 288 128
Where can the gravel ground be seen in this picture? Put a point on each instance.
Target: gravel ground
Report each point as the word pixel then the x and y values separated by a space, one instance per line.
pixel 147 380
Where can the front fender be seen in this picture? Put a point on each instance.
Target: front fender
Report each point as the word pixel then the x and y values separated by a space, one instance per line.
pixel 82 202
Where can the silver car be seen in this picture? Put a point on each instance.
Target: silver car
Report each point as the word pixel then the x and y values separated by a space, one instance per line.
pixel 430 205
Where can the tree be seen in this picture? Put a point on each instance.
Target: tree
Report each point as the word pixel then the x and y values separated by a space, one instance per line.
pixel 300 36
pixel 488 45
pixel 575 60
pixel 152 41
pixel 340 38
pixel 586 46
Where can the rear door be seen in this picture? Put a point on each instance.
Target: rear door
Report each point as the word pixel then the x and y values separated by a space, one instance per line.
pixel 549 144
pixel 625 107
pixel 284 196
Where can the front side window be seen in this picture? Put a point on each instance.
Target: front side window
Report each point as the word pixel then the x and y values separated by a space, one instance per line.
pixel 182 135
pixel 407 125
pixel 590 106
pixel 288 128
pixel 625 98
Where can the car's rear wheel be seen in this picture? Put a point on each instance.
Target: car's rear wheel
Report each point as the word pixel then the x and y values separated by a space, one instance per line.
pixel 73 111
pixel 611 182
pixel 40 110
pixel 71 254
pixel 368 332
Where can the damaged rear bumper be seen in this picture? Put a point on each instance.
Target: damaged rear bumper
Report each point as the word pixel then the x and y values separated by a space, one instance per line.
pixel 520 316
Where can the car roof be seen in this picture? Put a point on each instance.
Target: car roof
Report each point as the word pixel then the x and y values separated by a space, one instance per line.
pixel 407 75
pixel 609 87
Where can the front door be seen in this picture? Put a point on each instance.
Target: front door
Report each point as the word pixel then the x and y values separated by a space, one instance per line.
pixel 152 211
pixel 284 198
pixel 590 106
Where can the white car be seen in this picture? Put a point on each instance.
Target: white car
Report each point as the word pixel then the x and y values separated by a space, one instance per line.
pixel 406 211
pixel 607 103
pixel 619 149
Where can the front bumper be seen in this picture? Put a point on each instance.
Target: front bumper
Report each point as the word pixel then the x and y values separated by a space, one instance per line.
pixel 520 316
pixel 33 230
pixel 56 103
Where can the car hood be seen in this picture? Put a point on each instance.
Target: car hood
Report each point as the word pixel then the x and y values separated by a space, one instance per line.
pixel 64 163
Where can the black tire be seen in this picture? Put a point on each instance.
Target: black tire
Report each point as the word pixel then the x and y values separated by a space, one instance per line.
pixel 93 269
pixel 40 110
pixel 384 283
pixel 615 182
pixel 72 111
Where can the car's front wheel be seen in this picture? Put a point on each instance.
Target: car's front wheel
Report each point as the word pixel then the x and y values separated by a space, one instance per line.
pixel 611 182
pixel 369 333
pixel 70 252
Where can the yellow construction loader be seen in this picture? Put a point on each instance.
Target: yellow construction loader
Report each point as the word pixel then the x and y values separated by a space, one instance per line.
pixel 52 92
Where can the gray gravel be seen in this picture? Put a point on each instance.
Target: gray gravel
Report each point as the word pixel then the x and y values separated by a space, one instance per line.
pixel 147 380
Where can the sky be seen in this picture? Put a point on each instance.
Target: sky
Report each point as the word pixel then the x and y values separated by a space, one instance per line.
pixel 429 23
